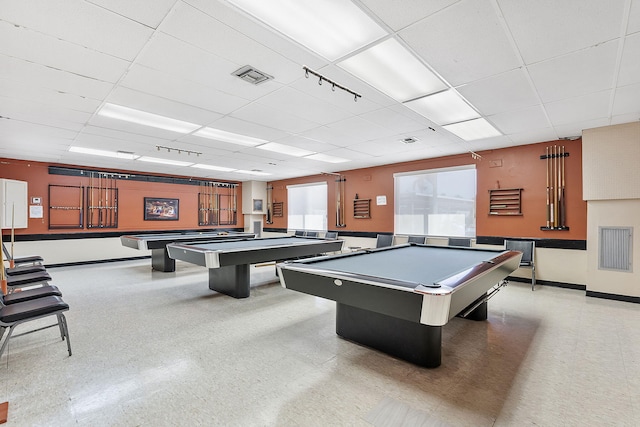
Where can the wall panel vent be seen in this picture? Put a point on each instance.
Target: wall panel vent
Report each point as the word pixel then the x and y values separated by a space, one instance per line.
pixel 615 248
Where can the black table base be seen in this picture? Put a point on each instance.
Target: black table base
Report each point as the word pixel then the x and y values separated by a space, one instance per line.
pixel 160 260
pixel 232 280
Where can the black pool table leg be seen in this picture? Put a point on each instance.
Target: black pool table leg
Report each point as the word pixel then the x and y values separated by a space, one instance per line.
pixel 417 343
pixel 232 280
pixel 160 260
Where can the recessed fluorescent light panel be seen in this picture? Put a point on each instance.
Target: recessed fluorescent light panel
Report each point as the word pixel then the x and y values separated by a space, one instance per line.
pixel 443 108
pixel 285 149
pixel 94 152
pixel 164 161
pixel 257 173
pixel 329 28
pixel 127 114
pixel 392 69
pixel 473 129
pixel 326 158
pixel 233 138
pixel 213 168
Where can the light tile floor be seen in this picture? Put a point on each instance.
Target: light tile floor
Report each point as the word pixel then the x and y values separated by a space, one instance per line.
pixel 161 349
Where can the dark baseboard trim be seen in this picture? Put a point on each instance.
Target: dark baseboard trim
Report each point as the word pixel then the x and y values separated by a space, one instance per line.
pixel 102 234
pixel 549 283
pixel 604 295
pixel 99 261
pixel 540 243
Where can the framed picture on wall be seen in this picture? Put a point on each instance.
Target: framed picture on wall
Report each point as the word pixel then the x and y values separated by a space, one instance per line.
pixel 257 205
pixel 160 209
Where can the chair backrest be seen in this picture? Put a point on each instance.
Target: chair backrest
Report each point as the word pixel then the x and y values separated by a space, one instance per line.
pixel 311 234
pixel 460 241
pixel 299 233
pixel 333 235
pixel 417 239
pixel 6 252
pixel 384 240
pixel 527 247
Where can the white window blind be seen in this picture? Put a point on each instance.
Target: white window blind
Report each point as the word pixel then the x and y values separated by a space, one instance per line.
pixel 307 206
pixel 438 202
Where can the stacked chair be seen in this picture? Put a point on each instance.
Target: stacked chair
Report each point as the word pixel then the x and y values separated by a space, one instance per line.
pixel 30 297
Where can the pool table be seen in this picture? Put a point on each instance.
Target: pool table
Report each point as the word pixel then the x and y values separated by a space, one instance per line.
pixel 396 299
pixel 158 242
pixel 229 262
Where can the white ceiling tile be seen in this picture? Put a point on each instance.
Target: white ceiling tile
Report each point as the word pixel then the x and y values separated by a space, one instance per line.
pixel 499 93
pixel 463 43
pixel 252 129
pixel 40 76
pixel 393 120
pixel 80 23
pixel 44 96
pixel 147 12
pixel 271 117
pixel 627 100
pixel 186 92
pixel 211 35
pixel 413 10
pixel 307 144
pixel 533 136
pixel 624 118
pixel 62 55
pixel 518 121
pixel 121 134
pixel 302 105
pixel 547 28
pixel 634 17
pixel 360 129
pixel 630 63
pixel 585 71
pixel 128 127
pixel 327 135
pixel 34 112
pixel 574 129
pixel 582 108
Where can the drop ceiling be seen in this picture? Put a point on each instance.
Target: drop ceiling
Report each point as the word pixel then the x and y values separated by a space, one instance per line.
pixel 535 70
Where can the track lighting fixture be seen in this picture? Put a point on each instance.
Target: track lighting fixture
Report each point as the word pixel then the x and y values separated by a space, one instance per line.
pixel 333 84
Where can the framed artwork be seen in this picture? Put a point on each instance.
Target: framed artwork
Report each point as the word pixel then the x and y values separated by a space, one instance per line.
pixel 160 209
pixel 257 205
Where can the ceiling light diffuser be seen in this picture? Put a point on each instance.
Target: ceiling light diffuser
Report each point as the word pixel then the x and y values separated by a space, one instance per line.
pixel 104 153
pixel 164 161
pixel 257 173
pixel 443 108
pixel 213 168
pixel 285 149
pixel 233 138
pixel 127 114
pixel 330 28
pixel 473 129
pixel 393 70
pixel 326 158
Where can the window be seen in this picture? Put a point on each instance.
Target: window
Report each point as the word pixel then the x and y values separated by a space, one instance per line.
pixel 438 202
pixel 307 206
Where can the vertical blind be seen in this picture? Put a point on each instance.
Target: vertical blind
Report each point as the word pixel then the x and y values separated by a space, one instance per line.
pixel 307 206
pixel 437 202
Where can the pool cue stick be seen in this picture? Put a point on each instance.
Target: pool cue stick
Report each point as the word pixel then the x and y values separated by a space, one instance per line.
pixel 107 214
pixel 80 201
pixel 548 191
pixel 3 276
pixel 563 216
pixel 338 201
pixel 13 235
pixel 558 189
pixel 556 214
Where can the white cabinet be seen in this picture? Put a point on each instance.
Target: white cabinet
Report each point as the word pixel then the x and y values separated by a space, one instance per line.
pixel 13 204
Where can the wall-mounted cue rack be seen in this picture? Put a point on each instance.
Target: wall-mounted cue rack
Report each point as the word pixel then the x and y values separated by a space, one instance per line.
pixel 362 208
pixel 217 203
pixel 505 201
pixel 66 206
pixel 556 200
pixel 102 200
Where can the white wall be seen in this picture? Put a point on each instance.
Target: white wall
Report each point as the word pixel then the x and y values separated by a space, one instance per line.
pixel 624 213
pixel 611 187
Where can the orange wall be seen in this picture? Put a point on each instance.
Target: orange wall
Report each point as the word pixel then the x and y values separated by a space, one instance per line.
pixel 131 196
pixel 513 167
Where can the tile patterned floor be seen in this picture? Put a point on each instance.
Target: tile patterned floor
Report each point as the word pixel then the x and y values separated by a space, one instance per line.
pixel 161 349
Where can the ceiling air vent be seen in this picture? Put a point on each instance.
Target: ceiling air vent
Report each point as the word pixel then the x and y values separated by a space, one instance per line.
pixel 409 140
pixel 251 75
